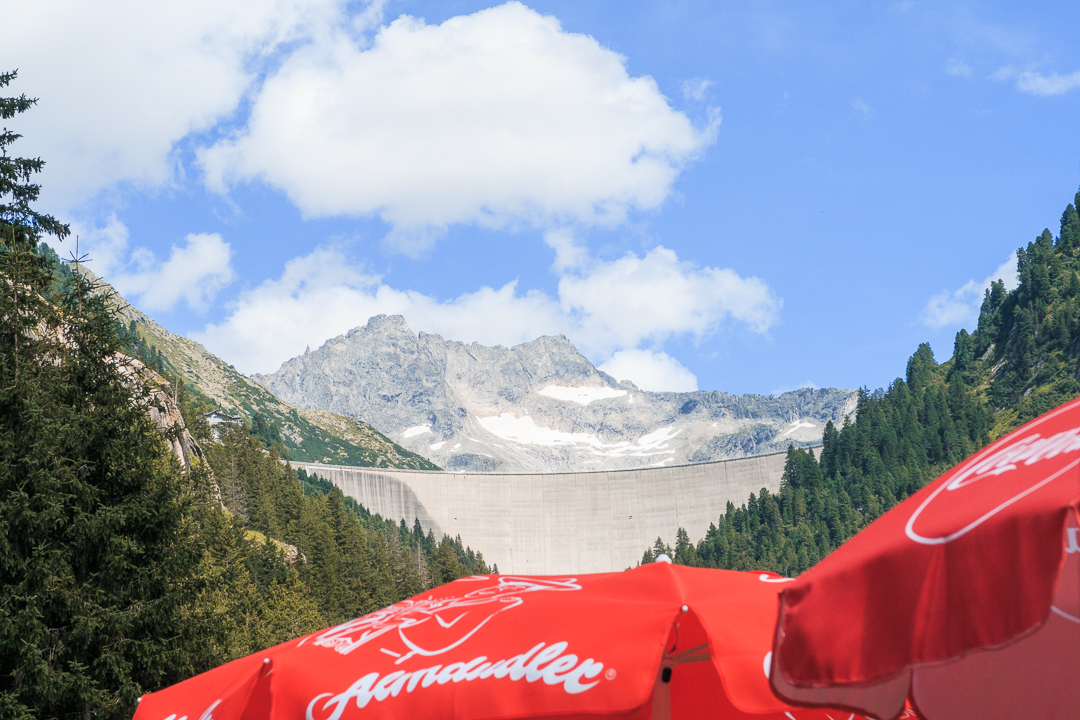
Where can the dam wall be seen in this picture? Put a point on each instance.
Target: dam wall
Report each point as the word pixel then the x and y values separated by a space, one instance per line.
pixel 560 523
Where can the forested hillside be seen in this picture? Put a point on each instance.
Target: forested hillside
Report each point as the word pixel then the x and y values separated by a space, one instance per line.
pixel 120 572
pixel 1020 361
pixel 210 383
pixel 349 561
pixel 237 554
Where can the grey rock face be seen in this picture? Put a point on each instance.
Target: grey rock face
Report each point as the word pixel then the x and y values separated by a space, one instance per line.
pixel 537 407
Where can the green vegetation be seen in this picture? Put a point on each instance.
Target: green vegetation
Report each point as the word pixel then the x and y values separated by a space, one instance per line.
pixel 349 561
pixel 296 433
pixel 120 573
pixel 1022 359
pixel 99 563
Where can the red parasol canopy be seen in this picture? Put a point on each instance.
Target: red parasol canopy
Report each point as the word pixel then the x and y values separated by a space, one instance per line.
pixel 658 641
pixel 965 598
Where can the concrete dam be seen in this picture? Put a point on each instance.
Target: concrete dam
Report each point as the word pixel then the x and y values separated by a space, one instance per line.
pixel 560 523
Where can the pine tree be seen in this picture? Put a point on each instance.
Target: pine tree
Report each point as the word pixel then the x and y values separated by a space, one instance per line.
pixel 1069 240
pixel 99 565
pixel 17 192
pixel 1020 362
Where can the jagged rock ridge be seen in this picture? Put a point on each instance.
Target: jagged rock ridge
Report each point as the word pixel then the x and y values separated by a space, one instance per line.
pixel 537 407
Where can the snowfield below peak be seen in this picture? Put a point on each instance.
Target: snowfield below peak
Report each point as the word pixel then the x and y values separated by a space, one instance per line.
pixel 525 431
pixel 415 430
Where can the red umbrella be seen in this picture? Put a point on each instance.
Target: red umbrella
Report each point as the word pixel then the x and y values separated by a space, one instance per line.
pixel 965 598
pixel 658 641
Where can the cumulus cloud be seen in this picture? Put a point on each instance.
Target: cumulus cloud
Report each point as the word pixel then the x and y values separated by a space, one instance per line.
pixel 323 294
pixel 620 303
pixel 1034 83
pixel 121 81
pixel 603 306
pixel 650 370
pixel 193 273
pixel 496 118
pixel 959 307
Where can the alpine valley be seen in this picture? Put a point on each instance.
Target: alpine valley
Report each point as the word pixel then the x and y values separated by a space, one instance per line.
pixel 537 407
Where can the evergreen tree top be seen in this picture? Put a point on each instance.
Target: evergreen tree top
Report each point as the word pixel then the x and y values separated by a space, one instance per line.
pixel 17 192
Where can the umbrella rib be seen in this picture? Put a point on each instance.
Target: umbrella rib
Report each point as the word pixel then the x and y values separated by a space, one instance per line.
pixel 698 653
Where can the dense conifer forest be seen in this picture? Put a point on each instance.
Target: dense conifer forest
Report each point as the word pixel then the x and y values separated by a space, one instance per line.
pixel 1021 360
pixel 120 571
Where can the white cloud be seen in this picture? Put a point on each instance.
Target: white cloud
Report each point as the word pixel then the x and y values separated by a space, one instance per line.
pixel 121 81
pixel 568 253
pixel 960 307
pixel 1034 83
pixel 694 88
pixel 862 108
pixel 322 295
pixel 105 247
pixel 650 370
pixel 194 273
pixel 958 68
pixel 623 302
pixel 1052 84
pixel 496 118
pixel 604 307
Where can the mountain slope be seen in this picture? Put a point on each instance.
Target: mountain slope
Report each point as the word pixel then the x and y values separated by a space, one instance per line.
pixel 304 435
pixel 307 435
pixel 540 406
pixel 1022 360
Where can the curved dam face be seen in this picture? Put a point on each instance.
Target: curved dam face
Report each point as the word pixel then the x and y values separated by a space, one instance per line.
pixel 560 523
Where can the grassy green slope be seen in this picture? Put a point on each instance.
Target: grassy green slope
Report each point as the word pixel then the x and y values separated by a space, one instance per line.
pixel 305 435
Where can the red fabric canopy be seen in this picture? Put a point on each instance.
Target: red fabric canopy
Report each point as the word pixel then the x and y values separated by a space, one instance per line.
pixel 963 598
pixel 658 641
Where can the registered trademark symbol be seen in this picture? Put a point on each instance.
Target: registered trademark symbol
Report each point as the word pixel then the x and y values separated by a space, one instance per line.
pixel 610 674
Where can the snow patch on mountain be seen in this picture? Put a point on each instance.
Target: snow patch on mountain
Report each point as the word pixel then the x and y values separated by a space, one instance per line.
pixel 798 424
pixel 525 431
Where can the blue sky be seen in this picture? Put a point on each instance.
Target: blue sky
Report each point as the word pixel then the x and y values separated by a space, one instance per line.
pixel 739 196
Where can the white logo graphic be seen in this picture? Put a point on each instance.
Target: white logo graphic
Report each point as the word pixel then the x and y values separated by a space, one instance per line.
pixel 433 626
pixel 1029 450
pixel 992 463
pixel 559 669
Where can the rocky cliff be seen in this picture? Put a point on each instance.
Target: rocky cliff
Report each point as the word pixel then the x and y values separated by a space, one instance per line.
pixel 537 407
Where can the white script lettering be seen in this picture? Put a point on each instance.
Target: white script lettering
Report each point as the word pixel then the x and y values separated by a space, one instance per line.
pixel 541 662
pixel 1029 451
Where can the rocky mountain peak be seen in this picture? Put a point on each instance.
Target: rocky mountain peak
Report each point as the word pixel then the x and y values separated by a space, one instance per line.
pixel 539 406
